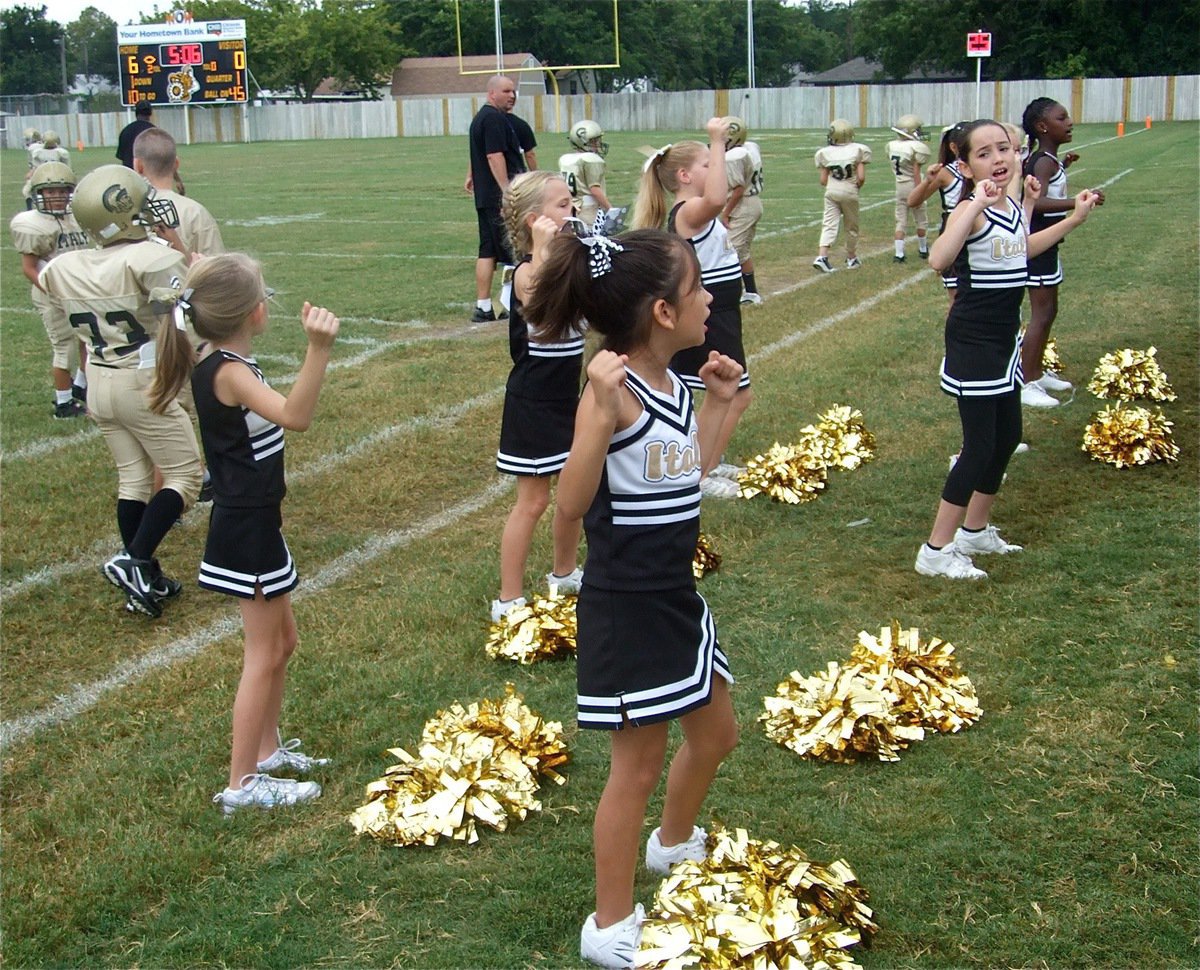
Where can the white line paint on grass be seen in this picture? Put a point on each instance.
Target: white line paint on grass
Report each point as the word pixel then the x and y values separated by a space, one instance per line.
pixel 86 696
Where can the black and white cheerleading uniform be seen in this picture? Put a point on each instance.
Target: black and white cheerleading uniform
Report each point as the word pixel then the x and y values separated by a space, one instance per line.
pixel 647 646
pixel 982 350
pixel 721 275
pixel 244 453
pixel 540 399
pixel 1045 269
pixel 951 195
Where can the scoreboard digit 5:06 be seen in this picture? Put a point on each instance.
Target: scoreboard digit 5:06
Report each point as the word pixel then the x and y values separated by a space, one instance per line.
pixel 175 64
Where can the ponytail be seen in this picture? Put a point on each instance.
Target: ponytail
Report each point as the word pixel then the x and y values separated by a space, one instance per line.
pixel 660 178
pixel 175 356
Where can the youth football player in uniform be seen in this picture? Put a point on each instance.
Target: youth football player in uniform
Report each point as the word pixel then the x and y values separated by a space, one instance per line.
pixel 583 170
pixel 155 157
pixel 843 167
pixel 743 209
pixel 907 153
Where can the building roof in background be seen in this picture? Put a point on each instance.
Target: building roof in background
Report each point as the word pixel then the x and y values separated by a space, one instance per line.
pixel 417 77
pixel 862 71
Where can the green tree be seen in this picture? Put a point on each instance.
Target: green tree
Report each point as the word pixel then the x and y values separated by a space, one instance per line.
pixel 92 45
pixel 31 53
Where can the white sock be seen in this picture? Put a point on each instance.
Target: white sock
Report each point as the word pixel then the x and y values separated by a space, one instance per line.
pixel 484 305
pixel 923 244
pixel 80 378
pixel 899 247
pixel 62 397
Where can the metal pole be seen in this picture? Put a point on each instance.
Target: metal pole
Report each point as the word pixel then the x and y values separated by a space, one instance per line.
pixel 750 44
pixel 978 75
pixel 499 37
pixel 62 61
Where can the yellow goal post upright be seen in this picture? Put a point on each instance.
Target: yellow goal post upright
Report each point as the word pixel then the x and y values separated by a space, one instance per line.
pixel 548 69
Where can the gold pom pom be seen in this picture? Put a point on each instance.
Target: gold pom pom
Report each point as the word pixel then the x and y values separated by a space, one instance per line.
pixel 785 473
pixel 541 630
pixel 1131 375
pixel 1124 436
pixel 846 442
pixel 1051 360
pixel 706 559
pixel 479 764
pixel 753 904
pixel 892 690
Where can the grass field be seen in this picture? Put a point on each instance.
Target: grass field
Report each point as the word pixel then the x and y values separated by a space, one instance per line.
pixel 1060 831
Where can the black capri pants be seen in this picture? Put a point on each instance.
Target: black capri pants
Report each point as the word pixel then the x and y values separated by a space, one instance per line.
pixel 991 427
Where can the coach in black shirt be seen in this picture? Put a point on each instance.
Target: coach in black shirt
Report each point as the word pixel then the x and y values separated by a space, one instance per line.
pixel 125 140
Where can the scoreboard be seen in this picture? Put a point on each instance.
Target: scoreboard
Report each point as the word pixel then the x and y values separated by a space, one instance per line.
pixel 182 63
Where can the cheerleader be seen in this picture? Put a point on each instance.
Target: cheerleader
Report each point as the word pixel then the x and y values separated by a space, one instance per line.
pixel 539 398
pixel 987 245
pixel 242 420
pixel 647 645
pixel 1048 126
pixel 944 178
pixel 695 176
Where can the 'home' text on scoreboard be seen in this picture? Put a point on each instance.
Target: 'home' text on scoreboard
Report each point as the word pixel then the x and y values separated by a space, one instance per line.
pixel 183 63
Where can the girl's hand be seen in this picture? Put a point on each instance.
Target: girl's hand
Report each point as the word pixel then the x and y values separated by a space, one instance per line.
pixel 931 173
pixel 721 375
pixel 987 192
pixel 606 376
pixel 320 325
pixel 543 230
pixel 716 129
pixel 1084 203
pixel 1099 194
pixel 1033 188
pixel 1069 158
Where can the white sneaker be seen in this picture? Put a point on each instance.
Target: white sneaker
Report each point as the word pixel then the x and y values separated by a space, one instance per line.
pixel 501 608
pixel 1021 448
pixel 264 791
pixel 751 297
pixel 985 541
pixel 853 262
pixel 1050 381
pixel 727 470
pixel 822 263
pixel 1034 397
pixel 718 487
pixel 288 756
pixel 613 946
pixel 660 858
pixel 948 562
pixel 563 585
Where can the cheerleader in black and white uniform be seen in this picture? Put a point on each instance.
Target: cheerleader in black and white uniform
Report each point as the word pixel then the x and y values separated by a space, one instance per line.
pixel 945 178
pixel 986 243
pixel 647 646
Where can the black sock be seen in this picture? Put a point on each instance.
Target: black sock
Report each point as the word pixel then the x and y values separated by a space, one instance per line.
pixel 160 515
pixel 129 517
pixel 751 286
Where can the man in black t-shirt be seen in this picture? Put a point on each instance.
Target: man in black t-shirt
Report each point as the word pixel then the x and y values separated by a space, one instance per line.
pixel 125 140
pixel 496 157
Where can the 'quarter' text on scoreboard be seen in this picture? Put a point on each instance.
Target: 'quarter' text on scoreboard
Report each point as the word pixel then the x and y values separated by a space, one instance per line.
pixel 192 63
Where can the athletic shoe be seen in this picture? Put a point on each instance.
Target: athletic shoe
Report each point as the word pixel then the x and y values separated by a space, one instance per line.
pixel 1033 396
pixel 133 576
pixel 718 487
pixel 264 791
pixel 1050 381
pixel 898 259
pixel 822 263
pixel 501 608
pixel 948 562
pixel 289 757
pixel 985 541
pixel 206 488
pixel 79 393
pixel 660 858
pixel 1021 448
pixel 483 316
pixel 923 253
pixel 749 296
pixel 613 946
pixel 726 470
pixel 853 262
pixel 162 585
pixel 70 409
pixel 563 585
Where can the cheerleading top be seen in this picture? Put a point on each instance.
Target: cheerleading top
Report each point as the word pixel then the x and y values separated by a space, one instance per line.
pixel 720 268
pixel 549 371
pixel 644 522
pixel 243 450
pixel 1055 188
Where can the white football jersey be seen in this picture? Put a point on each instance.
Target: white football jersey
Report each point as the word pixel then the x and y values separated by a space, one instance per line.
pixel 902 153
pixel 842 160
pixel 744 166
pixel 582 171
pixel 197 228
pixel 104 293
pixel 45 236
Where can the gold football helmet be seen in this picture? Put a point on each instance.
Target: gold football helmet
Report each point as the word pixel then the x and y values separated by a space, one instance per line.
pixel 588 136
pixel 910 126
pixel 841 132
pixel 113 203
pixel 735 133
pixel 51 185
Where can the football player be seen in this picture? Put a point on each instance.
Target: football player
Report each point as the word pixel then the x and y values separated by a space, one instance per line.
pixel 743 208
pixel 907 153
pixel 155 157
pixel 583 170
pixel 843 167
pixel 105 294
pixel 41 234
pixel 48 149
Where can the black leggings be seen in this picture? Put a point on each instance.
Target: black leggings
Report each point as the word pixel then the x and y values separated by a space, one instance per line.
pixel 991 428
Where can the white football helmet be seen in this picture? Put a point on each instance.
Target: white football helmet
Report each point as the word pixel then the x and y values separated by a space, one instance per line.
pixel 43 182
pixel 735 132
pixel 588 136
pixel 841 132
pixel 910 126
pixel 114 203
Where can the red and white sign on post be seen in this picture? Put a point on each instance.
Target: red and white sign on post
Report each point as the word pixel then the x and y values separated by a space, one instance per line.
pixel 979 44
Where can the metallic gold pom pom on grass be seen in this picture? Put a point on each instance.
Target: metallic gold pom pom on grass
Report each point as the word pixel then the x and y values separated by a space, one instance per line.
pixel 542 630
pixel 845 441
pixel 753 904
pixel 706 558
pixel 478 764
pixel 1126 436
pixel 785 473
pixel 1131 375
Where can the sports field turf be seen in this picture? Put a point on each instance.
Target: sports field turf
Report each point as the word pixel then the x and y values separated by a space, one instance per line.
pixel 1060 831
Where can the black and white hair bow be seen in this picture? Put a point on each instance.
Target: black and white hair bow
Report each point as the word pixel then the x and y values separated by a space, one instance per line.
pixel 601 246
pixel 183 309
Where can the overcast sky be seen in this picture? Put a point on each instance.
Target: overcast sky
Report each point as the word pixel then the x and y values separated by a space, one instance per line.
pixel 68 11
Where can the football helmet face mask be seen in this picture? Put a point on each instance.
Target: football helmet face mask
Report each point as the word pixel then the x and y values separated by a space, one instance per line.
pixel 51 186
pixel 735 133
pixel 588 136
pixel 113 203
pixel 841 132
pixel 910 126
